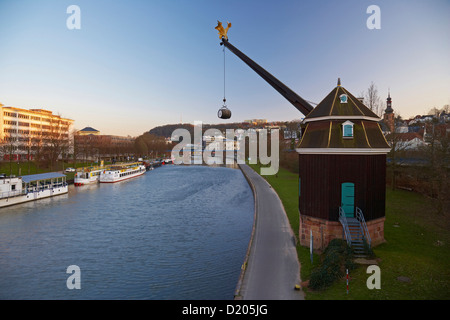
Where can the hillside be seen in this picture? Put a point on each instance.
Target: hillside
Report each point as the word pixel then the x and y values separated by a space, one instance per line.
pixel 166 130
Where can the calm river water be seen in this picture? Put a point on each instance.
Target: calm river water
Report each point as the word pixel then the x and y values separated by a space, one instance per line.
pixel 177 232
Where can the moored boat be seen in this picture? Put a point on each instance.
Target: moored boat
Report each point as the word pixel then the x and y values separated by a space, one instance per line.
pixel 122 172
pixel 15 190
pixel 89 175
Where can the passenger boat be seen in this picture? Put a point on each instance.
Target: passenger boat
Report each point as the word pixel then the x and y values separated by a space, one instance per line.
pixel 88 175
pixel 15 190
pixel 122 172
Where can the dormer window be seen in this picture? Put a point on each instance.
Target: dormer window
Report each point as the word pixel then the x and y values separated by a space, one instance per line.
pixel 347 130
pixel 343 98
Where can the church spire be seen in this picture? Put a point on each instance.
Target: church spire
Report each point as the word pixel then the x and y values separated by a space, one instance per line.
pixel 389 113
pixel 389 103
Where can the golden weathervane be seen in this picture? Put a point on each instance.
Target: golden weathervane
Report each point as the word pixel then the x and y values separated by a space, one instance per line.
pixel 222 31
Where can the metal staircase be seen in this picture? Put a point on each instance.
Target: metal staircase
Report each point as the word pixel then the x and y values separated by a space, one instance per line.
pixel 355 232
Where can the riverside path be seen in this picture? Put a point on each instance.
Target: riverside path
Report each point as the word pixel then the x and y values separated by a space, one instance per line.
pixel 272 270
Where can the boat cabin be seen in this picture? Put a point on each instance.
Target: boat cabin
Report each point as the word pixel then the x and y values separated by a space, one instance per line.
pixel 43 181
pixel 10 186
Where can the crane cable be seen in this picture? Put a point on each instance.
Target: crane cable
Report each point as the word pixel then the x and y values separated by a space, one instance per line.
pixel 224 99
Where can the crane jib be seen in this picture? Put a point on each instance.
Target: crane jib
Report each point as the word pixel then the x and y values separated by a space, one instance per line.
pixel 298 102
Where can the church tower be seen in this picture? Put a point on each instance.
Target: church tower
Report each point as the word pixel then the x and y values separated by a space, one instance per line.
pixel 389 113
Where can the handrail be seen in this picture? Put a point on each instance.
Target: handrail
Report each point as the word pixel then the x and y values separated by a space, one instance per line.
pixel 93 168
pixel 360 218
pixel 343 220
pixel 11 194
pixel 22 192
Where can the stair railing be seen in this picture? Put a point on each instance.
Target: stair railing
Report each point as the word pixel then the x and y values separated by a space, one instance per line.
pixel 343 220
pixel 360 218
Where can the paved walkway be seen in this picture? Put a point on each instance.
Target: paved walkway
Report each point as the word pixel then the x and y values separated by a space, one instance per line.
pixel 273 269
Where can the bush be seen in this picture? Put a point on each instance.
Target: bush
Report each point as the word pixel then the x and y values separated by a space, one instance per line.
pixel 336 258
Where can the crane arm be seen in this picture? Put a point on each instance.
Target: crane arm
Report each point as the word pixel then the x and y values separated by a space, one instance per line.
pixel 298 102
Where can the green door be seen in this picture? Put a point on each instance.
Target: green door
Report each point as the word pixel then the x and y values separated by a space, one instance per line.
pixel 348 199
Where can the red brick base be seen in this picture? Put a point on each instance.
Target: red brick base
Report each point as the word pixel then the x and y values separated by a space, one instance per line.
pixel 376 231
pixel 323 231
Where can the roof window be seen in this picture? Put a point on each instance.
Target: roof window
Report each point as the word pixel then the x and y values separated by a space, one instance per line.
pixel 347 130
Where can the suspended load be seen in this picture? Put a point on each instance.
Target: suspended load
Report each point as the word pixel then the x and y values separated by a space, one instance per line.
pixel 224 112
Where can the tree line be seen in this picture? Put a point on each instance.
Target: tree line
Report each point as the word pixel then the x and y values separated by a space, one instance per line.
pixel 44 146
pixel 150 145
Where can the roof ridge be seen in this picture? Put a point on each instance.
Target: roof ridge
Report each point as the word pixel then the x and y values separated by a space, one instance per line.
pixel 329 134
pixel 334 100
pixel 365 134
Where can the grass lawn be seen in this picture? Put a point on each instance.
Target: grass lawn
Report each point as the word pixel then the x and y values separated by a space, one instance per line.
pixel 27 168
pixel 416 249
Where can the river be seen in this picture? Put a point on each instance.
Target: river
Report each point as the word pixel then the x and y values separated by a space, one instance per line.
pixel 175 233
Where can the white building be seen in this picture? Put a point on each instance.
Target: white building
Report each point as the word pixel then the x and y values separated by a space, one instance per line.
pixel 22 131
pixel 409 141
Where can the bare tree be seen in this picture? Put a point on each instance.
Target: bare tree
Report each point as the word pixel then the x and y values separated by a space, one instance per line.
pixel 8 147
pixel 141 147
pixel 26 146
pixel 397 150
pixel 37 144
pixel 434 111
pixel 74 146
pixel 56 140
pixel 148 144
pixel 372 99
pixel 438 156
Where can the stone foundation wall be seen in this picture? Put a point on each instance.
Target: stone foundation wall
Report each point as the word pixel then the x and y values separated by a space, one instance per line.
pixel 323 231
pixel 376 231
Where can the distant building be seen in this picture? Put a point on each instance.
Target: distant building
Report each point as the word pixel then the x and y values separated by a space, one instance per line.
pixel 421 119
pixel 402 128
pixel 389 116
pixel 256 121
pixel 90 144
pixel 220 143
pixel 110 140
pixel 444 117
pixel 26 131
pixel 88 131
pixel 409 141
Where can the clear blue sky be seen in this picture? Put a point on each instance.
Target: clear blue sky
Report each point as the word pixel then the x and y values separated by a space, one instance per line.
pixel 138 64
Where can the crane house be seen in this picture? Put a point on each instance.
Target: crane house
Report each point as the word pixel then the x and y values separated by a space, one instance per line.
pixel 342 165
pixel 342 171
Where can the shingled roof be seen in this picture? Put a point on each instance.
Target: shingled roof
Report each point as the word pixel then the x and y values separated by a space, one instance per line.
pixel 324 126
pixel 332 106
pixel 89 129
